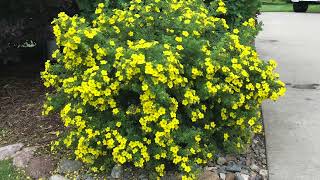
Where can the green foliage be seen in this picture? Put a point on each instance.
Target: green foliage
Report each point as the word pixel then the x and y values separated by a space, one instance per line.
pixel 238 11
pixel 157 85
pixel 8 172
pixel 87 7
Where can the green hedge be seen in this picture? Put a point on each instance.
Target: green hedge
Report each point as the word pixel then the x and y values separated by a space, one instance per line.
pixel 237 10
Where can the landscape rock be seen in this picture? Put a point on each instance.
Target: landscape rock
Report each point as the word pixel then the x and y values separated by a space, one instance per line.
pixel 222 176
pixel 233 167
pixel 221 160
pixel 245 171
pixel 67 166
pixel 248 161
pixel 255 177
pixel 245 176
pixel 230 176
pixel 238 176
pixel 230 158
pixel 7 152
pixel 142 177
pixel 211 168
pixel 171 176
pixel 22 158
pixel 209 175
pixel 263 173
pixel 57 177
pixel 40 167
pixel 85 177
pixel 117 172
pixel 254 167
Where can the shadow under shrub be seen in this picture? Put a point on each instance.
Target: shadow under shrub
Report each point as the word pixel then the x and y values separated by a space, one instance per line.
pixel 161 85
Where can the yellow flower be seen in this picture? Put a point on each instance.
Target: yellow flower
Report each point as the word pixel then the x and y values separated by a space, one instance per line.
pixel 118 124
pixel 130 33
pixel 101 5
pixel 185 33
pixel 115 111
pixel 197 138
pixel 225 136
pixel 178 39
pixel 180 47
pixel 77 39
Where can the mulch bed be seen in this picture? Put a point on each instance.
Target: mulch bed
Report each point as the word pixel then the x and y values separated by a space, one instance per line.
pixel 21 102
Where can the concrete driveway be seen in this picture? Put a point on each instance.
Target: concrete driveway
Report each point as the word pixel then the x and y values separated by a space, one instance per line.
pixel 292 124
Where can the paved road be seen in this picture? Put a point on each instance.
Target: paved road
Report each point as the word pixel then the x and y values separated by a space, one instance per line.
pixel 293 123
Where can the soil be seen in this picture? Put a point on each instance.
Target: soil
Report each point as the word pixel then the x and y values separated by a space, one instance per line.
pixel 21 99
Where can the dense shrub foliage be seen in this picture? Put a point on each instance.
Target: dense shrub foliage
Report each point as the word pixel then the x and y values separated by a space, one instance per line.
pixel 160 85
pixel 238 10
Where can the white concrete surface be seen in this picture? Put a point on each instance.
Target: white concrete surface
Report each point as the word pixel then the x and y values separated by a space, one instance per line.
pixel 293 123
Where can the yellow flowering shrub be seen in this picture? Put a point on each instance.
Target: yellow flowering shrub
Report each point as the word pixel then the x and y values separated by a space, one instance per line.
pixel 156 84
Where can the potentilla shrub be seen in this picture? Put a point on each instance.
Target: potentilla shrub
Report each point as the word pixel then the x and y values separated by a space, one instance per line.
pixel 238 10
pixel 157 85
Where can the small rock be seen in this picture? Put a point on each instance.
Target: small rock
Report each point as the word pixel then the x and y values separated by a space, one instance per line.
pixel 209 175
pixel 263 173
pixel 238 176
pixel 230 176
pixel 210 164
pixel 233 167
pixel 245 171
pixel 255 177
pixel 230 158
pixel 222 176
pixel 264 161
pixel 245 176
pixel 221 161
pixel 22 158
pixel 40 167
pixel 170 176
pixel 222 169
pixel 242 161
pixel 211 168
pixel 254 167
pixel 142 177
pixel 248 161
pixel 57 177
pixel 117 171
pixel 8 151
pixel 85 177
pixel 67 166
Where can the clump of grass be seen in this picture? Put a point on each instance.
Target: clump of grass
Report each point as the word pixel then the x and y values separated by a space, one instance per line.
pixel 8 172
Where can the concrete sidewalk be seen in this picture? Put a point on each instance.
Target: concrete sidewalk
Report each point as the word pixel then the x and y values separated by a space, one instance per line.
pixel 292 124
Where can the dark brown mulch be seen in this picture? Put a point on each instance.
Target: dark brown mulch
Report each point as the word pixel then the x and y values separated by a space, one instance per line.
pixel 21 102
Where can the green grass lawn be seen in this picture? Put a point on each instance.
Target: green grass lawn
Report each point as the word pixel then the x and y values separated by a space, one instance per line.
pixel 286 7
pixel 8 172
